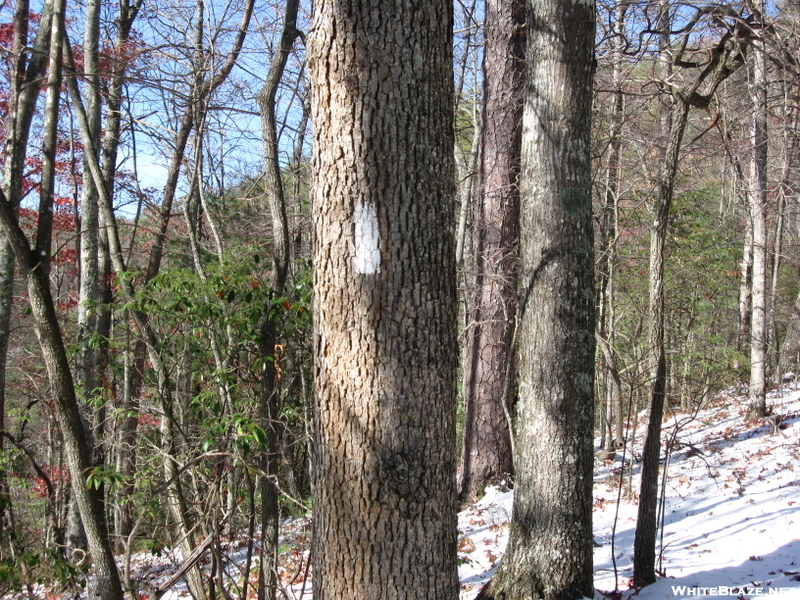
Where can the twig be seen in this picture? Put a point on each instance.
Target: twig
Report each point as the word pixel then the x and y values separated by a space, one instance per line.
pixel 305 577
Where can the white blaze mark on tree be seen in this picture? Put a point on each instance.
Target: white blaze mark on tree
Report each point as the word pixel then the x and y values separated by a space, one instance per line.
pixel 368 255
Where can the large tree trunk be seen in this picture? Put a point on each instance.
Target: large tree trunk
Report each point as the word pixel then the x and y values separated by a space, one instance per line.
pixel 489 358
pixel 549 554
pixel 384 300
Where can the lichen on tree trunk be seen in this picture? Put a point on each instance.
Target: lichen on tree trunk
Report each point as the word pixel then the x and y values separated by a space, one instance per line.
pixel 549 555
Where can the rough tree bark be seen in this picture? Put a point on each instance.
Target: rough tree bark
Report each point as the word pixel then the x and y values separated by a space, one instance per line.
pixel 549 554
pixel 384 300
pixel 489 357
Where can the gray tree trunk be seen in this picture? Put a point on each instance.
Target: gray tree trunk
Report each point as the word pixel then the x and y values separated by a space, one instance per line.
pixel 384 300
pixel 489 358
pixel 35 266
pixel 608 243
pixel 549 553
pixel 89 222
pixel 21 106
pixel 86 363
pixel 728 56
pixel 270 396
pixel 127 424
pixel 758 217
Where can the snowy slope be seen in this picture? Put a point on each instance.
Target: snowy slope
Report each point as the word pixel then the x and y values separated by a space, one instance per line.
pixel 732 516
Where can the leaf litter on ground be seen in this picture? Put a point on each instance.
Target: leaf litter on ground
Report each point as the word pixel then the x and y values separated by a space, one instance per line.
pixel 731 520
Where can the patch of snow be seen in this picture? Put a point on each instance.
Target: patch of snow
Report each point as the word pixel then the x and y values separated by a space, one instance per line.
pixel 731 519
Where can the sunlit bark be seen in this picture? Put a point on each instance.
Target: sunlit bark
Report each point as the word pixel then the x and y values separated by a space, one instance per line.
pixel 549 553
pixel 384 300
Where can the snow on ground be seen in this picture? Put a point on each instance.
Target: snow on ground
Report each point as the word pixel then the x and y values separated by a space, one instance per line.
pixel 731 526
pixel 732 511
pixel 483 535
